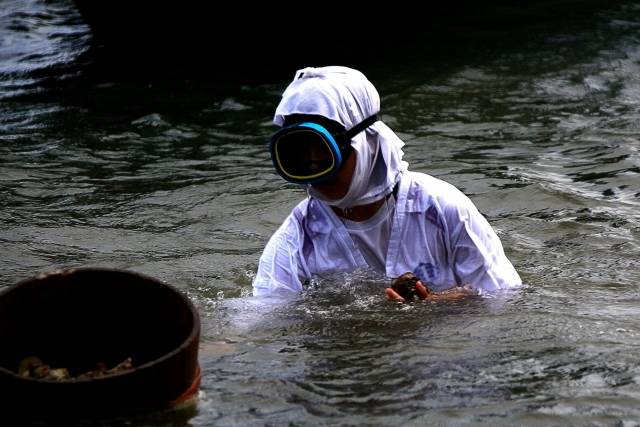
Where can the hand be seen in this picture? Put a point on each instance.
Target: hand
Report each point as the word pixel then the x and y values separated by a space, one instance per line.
pixel 422 292
pixel 455 293
pixel 407 286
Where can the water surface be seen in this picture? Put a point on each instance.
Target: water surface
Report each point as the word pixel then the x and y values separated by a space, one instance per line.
pixel 537 123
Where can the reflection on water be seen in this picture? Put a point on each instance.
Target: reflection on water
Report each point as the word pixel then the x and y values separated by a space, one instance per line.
pixel 538 124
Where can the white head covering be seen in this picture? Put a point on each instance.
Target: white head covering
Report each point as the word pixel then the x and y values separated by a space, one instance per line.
pixel 346 96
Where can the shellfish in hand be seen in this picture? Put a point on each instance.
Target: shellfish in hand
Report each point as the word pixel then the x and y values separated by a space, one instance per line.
pixel 407 287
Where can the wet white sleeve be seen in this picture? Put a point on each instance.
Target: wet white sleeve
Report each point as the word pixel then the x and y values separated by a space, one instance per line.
pixel 281 269
pixel 478 257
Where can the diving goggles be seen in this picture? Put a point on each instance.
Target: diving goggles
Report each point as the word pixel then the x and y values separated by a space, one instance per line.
pixel 307 152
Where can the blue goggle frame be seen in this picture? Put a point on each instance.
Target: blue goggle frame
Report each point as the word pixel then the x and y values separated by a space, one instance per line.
pixel 312 137
pixel 312 134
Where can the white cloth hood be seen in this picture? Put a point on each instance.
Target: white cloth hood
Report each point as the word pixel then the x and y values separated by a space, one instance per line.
pixel 346 96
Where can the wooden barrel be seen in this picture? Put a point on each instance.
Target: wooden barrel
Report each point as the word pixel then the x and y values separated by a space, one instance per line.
pixel 76 319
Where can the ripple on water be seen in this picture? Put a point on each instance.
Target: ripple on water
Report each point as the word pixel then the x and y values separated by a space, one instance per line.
pixel 41 42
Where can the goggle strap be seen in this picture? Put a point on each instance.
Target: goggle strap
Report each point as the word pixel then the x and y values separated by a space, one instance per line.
pixel 360 127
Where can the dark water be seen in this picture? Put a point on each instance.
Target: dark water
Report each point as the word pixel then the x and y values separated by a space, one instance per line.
pixel 537 122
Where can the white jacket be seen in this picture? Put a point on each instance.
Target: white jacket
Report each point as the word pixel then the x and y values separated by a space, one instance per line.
pixel 437 233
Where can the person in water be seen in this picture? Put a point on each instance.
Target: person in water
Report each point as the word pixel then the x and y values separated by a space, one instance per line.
pixel 365 209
